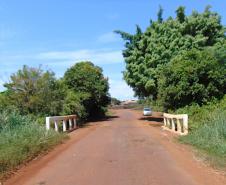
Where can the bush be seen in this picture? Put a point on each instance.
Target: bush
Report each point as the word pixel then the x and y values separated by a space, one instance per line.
pixel 200 115
pixel 194 77
pixel 21 139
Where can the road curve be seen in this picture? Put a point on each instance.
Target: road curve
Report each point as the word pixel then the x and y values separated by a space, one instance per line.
pixel 119 151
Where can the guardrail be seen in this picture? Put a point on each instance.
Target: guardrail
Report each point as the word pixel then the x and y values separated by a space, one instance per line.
pixel 176 123
pixel 69 122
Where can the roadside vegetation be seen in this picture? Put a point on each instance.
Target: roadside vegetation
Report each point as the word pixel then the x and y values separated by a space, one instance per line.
pixel 22 139
pixel 31 95
pixel 207 125
pixel 178 65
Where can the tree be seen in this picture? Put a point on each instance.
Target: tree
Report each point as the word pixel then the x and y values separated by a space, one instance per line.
pixel 194 77
pixel 133 55
pixel 74 104
pixel 34 91
pixel 146 54
pixel 181 14
pixel 87 79
pixel 160 12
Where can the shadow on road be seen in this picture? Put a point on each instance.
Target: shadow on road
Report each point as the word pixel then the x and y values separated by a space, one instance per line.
pixel 153 120
pixel 106 118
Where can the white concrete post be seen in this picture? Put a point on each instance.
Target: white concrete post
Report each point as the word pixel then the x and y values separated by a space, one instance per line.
pixel 70 124
pixel 164 121
pixel 64 126
pixel 75 123
pixel 178 126
pixel 173 124
pixel 47 123
pixel 185 124
pixel 56 126
pixel 168 122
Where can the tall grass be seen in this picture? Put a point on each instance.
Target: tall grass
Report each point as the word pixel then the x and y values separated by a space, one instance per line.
pixel 208 131
pixel 201 115
pixel 22 139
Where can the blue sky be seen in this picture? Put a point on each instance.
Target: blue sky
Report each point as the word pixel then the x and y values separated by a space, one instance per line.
pixel 58 33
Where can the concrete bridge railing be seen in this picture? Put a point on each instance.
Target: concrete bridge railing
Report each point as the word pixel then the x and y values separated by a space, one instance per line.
pixel 176 123
pixel 68 122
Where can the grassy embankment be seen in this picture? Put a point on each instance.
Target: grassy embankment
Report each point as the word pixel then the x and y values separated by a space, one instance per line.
pixel 207 126
pixel 22 139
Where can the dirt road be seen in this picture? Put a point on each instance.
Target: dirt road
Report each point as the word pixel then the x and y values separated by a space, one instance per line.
pixel 120 151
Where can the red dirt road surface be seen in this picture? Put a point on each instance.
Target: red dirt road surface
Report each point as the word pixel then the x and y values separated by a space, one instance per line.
pixel 124 150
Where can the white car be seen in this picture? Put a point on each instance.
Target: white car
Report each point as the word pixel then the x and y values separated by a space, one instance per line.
pixel 147 112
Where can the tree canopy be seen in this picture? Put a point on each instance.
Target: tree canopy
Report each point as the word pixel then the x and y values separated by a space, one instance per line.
pixel 83 91
pixel 148 54
pixel 31 90
pixel 86 79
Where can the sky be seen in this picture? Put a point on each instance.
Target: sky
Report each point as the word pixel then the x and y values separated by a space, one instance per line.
pixel 55 34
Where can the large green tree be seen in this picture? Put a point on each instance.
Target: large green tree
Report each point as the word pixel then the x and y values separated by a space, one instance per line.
pixel 147 53
pixel 87 80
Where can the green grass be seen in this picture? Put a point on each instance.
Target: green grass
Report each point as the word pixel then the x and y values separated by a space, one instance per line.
pixel 210 139
pixel 200 115
pixel 208 131
pixel 22 139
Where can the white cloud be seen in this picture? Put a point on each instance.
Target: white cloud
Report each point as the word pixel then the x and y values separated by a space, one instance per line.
pixel 98 57
pixel 59 61
pixel 119 89
pixel 108 38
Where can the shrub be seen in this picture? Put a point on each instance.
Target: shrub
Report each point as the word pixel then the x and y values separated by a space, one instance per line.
pixel 200 115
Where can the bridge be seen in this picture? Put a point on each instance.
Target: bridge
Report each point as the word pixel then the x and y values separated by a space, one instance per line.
pixel 125 149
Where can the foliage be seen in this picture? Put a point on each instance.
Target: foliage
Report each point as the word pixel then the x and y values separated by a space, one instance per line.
pixel 194 76
pixel 148 102
pixel 115 101
pixel 74 104
pixel 82 91
pixel 5 101
pixel 167 41
pixel 199 115
pixel 87 80
pixel 21 139
pixel 34 91
pixel 207 128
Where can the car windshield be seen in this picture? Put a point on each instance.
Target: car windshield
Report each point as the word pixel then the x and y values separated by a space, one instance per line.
pixel 147 109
